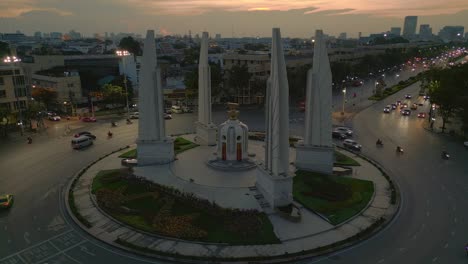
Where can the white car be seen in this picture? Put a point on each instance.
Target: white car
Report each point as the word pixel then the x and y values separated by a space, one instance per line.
pixel 344 130
pixel 54 118
pixel 351 144
pixel 134 115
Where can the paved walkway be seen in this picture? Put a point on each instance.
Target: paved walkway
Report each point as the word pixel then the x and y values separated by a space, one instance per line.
pixel 310 233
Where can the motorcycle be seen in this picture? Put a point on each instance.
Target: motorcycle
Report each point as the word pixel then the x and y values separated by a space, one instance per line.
pixel 113 124
pixel 399 150
pixel 445 155
pixel 379 143
pixel 29 140
pixel 109 134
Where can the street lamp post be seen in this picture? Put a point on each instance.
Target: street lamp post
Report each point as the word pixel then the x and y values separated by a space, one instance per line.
pixel 123 54
pixel 13 60
pixel 344 99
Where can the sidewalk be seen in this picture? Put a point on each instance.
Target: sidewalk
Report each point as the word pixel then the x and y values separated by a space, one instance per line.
pixel 311 233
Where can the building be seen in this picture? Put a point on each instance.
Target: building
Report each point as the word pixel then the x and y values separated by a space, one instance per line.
pixel 218 36
pixel 67 84
pixel 409 29
pixel 13 94
pixel 396 31
pixel 38 35
pixel 425 32
pixel 56 35
pixel 342 35
pixel 451 33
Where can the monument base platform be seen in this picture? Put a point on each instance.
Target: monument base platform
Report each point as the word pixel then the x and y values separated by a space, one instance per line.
pixel 206 134
pixel 277 190
pixel 152 152
pixel 314 158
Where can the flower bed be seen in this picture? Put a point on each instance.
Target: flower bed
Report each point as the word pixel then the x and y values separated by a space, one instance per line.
pixel 180 145
pixel 168 212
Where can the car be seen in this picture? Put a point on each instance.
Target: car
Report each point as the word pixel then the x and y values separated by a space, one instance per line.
pixel 414 106
pixel 405 112
pixel 405 105
pixel 6 201
pixel 394 106
pixel 422 115
pixel 398 102
pixel 465 144
pixel 129 162
pixel 88 119
pixel 134 115
pixel 167 116
pixel 51 113
pixel 54 118
pixel 85 133
pixel 339 135
pixel 408 96
pixel 351 144
pixel 387 109
pixel 344 130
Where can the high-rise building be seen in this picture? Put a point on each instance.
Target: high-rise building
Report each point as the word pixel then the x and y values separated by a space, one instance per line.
pixel 342 35
pixel 466 35
pixel 451 33
pixel 425 31
pixel 409 29
pixel 396 31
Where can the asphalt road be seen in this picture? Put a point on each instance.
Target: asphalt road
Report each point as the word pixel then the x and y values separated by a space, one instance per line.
pixel 430 228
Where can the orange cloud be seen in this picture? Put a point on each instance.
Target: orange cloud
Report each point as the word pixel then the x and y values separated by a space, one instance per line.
pixel 14 8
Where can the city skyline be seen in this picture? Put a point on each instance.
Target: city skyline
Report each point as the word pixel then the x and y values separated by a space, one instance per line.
pixel 244 19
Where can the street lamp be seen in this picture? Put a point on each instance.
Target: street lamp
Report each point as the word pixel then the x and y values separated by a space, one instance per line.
pixel 344 98
pixel 13 60
pixel 123 54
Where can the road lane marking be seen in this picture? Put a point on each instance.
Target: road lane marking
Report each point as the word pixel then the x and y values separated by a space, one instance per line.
pixel 85 250
pixel 60 252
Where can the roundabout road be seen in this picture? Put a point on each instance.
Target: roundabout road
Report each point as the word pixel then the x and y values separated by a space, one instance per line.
pixel 430 228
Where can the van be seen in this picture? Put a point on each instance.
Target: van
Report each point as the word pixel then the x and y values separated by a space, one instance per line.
pixel 176 109
pixel 81 142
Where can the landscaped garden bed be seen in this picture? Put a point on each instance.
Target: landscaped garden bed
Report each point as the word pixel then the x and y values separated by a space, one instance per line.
pixel 334 197
pixel 168 212
pixel 180 145
pixel 343 160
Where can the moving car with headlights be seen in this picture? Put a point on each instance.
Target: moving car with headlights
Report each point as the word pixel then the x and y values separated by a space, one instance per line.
pixel 394 106
pixel 408 96
pixel 134 115
pixel 54 118
pixel 6 201
pixel 344 130
pixel 387 110
pixel 81 142
pixel 422 115
pixel 405 112
pixel 351 144
pixel 129 162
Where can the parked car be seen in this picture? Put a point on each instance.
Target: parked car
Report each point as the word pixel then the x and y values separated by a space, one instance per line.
pixel 344 130
pixel 351 144
pixel 135 115
pixel 54 118
pixel 339 135
pixel 129 162
pixel 176 109
pixel 408 96
pixel 167 116
pixel 405 112
pixel 387 109
pixel 6 201
pixel 422 115
pixel 88 119
pixel 85 133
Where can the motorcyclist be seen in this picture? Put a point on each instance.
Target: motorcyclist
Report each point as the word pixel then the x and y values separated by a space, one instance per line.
pixel 109 134
pixel 379 142
pixel 29 140
pixel 113 124
pixel 445 154
pixel 399 149
pixel 129 121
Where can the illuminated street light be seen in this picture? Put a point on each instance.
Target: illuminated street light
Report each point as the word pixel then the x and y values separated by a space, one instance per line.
pixel 123 54
pixel 344 98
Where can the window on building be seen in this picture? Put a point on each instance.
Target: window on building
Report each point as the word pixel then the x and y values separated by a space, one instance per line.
pixel 2 93
pixel 19 80
pixel 6 106
pixel 2 82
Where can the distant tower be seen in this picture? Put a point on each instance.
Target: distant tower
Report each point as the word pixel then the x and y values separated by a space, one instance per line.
pixel 152 144
pixel 409 29
pixel 274 179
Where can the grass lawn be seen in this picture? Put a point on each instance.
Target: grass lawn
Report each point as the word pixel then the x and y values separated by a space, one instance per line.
pixel 180 145
pixel 343 160
pixel 182 215
pixel 337 198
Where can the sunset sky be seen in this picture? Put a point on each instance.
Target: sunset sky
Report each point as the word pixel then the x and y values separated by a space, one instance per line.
pixel 296 18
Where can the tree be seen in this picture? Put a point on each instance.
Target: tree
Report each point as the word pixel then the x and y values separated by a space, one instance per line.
pixel 131 45
pixel 113 94
pixel 45 96
pixel 119 81
pixel 34 112
pixel 191 79
pixel 239 76
pixel 297 78
pixel 5 114
pixel 4 49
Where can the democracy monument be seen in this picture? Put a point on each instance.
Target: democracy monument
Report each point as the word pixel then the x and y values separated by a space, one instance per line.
pixel 225 192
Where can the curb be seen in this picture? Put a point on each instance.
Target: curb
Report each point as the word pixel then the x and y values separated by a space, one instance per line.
pixel 360 237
